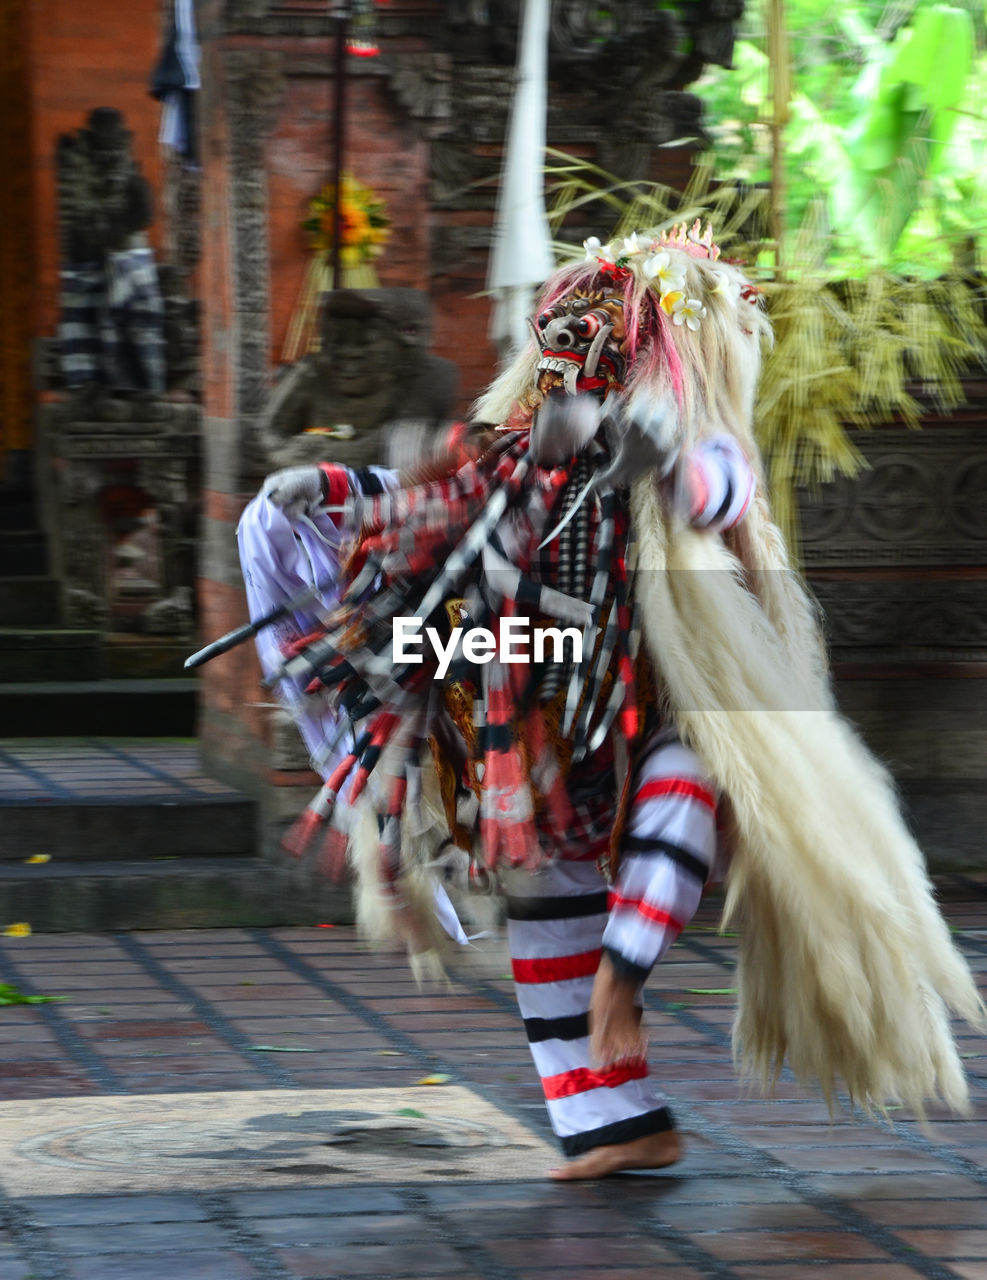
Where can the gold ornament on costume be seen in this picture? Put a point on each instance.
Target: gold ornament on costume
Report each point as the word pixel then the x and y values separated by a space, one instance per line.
pixel 692 240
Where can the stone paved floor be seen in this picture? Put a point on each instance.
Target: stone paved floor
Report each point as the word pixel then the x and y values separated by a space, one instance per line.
pixel 56 770
pixel 768 1189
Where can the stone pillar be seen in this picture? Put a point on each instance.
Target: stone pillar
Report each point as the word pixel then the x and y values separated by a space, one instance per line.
pixel 240 90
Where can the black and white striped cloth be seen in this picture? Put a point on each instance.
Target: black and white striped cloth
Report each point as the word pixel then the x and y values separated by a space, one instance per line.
pixel 111 329
pixel 563 918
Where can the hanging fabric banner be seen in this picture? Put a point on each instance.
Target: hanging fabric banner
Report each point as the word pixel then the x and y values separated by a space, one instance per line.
pixel 522 246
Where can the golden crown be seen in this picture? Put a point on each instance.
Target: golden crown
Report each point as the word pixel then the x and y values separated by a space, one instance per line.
pixel 692 239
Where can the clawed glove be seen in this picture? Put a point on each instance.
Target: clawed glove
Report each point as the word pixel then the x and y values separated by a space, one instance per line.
pixel 642 438
pixel 562 429
pixel 296 490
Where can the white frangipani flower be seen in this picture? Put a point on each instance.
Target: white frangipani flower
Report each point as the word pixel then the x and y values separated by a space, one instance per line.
pixel 725 285
pixel 660 267
pixel 594 249
pixel 688 311
pixel 632 245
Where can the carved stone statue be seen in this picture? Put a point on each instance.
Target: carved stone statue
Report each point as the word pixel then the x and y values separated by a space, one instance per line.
pixel 110 333
pixel 373 368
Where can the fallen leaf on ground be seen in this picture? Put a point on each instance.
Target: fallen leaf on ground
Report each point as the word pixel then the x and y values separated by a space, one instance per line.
pixel 280 1048
pixel 11 995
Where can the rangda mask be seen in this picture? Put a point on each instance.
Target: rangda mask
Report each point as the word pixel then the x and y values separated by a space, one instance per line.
pixel 581 338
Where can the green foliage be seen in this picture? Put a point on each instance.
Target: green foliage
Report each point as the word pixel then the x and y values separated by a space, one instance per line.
pixel 885 130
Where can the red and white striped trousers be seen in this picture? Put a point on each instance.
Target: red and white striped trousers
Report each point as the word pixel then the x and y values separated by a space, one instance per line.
pixel 563 918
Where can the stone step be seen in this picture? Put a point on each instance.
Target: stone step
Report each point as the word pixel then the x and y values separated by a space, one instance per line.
pixel 132 657
pixel 187 893
pixel 126 827
pixel 17 510
pixel 99 708
pixel 103 799
pixel 23 553
pixel 30 600
pixel 38 653
pixel 136 835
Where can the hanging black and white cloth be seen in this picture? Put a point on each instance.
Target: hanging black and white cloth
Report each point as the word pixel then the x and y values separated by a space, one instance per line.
pixel 175 81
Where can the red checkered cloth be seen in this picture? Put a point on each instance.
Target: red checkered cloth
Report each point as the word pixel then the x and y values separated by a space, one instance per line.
pixel 478 533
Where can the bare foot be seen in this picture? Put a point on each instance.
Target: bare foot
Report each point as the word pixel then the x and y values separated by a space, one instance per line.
pixel 654 1151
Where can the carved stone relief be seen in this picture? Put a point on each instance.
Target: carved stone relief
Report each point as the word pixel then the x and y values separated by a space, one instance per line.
pixel 237 10
pixel 182 205
pixel 966 487
pixel 943 620
pixel 120 476
pixel 254 84
pixel 124 492
pixel 423 86
pixel 895 556
pixel 626 63
pixel 920 502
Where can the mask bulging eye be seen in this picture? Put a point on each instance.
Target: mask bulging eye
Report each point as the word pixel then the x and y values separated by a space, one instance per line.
pixel 589 325
pixel 546 318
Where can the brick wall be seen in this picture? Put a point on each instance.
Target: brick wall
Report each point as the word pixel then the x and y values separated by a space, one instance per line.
pixel 382 150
